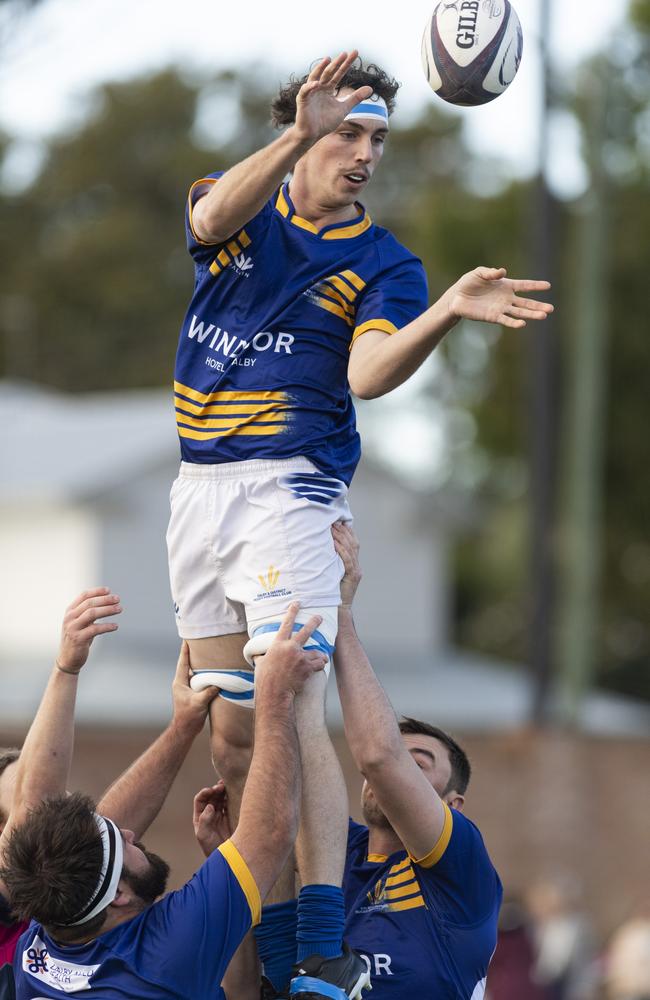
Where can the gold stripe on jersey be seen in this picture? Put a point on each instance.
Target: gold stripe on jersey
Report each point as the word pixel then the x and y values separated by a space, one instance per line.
pixel 222 409
pixel 230 396
pixel 434 856
pixel 333 308
pixel 408 904
pixel 243 875
pixel 354 279
pixel 349 293
pixel 346 232
pixel 406 877
pixel 337 233
pixel 232 249
pixel 256 430
pixel 233 422
pixel 190 204
pixel 400 867
pixel 330 293
pixel 281 204
pixel 373 324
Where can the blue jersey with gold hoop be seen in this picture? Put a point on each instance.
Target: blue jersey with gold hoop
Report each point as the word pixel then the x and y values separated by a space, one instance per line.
pixel 261 368
pixel 180 947
pixel 427 929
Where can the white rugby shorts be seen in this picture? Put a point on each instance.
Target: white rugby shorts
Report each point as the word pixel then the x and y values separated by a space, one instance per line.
pixel 245 539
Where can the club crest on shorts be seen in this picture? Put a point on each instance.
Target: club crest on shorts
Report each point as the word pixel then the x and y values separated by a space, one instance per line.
pixel 269 583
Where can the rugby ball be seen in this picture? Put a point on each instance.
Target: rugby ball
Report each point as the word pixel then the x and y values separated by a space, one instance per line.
pixel 471 50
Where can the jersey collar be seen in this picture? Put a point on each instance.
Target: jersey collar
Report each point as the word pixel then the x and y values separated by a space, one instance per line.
pixel 337 231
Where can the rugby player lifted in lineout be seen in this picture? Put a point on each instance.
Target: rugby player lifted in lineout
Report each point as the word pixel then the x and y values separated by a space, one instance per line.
pixel 298 299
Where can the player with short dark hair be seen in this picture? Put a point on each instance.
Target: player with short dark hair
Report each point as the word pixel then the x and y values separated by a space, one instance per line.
pixel 90 887
pixel 298 298
pixel 422 897
pixel 461 770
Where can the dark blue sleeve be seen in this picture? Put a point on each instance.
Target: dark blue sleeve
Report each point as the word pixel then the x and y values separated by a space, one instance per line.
pixel 396 297
pixel 187 939
pixel 202 253
pixel 463 880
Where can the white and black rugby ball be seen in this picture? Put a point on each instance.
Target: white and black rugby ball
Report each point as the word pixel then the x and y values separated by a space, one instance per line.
pixel 471 50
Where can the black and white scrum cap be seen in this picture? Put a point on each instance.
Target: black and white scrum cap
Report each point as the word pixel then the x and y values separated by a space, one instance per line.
pixel 110 873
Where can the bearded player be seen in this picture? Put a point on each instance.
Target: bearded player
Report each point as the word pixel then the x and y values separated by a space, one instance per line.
pixel 299 299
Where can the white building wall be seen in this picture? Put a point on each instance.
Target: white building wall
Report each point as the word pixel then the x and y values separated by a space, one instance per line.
pixel 48 555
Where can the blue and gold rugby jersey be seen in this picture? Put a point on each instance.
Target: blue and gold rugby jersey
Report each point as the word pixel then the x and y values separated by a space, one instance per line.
pixel 178 948
pixel 427 929
pixel 261 368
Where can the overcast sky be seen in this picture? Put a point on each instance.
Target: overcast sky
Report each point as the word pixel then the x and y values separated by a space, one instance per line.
pixel 56 53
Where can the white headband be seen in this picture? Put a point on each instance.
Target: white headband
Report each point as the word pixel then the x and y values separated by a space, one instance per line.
pixel 109 875
pixel 373 107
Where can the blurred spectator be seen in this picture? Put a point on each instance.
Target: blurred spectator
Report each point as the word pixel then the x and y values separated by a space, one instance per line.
pixel 627 960
pixel 564 943
pixel 510 976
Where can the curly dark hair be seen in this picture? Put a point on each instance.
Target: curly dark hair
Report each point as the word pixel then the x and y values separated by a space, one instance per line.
pixel 52 862
pixel 283 107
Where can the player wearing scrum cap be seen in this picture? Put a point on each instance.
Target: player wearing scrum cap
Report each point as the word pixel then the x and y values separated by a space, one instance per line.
pixel 299 297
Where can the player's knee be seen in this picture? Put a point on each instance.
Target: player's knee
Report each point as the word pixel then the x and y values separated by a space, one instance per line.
pixel 230 760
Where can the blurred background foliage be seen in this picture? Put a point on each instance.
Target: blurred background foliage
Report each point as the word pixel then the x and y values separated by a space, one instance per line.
pixel 95 280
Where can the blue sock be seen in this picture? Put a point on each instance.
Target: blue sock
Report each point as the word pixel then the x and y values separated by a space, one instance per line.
pixel 276 942
pixel 321 916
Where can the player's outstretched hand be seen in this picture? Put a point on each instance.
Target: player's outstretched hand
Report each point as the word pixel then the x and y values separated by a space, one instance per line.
pixel 190 707
pixel 346 544
pixel 318 108
pixel 210 817
pixel 80 626
pixel 286 664
pixel 488 295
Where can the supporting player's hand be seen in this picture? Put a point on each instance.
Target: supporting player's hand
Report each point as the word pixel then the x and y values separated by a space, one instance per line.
pixel 190 707
pixel 346 544
pixel 286 665
pixel 80 626
pixel 210 818
pixel 319 110
pixel 488 295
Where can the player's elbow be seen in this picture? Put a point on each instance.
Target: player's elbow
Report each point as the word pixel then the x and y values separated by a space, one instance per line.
pixel 363 386
pixel 375 757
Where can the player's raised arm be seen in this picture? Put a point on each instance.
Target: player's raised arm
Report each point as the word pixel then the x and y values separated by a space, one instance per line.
pixel 46 755
pixel 380 362
pixel 245 188
pixel 407 799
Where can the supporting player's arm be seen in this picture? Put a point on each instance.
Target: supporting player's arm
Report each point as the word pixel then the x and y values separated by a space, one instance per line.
pixel 407 799
pixel 45 758
pixel 245 188
pixel 212 828
pixel 274 780
pixel 137 796
pixel 379 362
